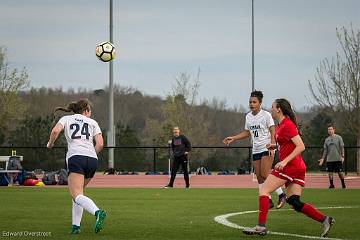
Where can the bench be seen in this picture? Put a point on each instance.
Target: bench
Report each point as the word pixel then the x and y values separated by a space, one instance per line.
pixel 10 172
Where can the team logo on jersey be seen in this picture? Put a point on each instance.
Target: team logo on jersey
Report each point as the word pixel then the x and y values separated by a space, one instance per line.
pixel 255 127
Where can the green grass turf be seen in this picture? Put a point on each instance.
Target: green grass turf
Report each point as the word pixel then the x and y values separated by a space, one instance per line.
pixel 167 213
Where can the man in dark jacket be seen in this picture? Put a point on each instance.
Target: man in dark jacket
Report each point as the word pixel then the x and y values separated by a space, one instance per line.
pixel 181 147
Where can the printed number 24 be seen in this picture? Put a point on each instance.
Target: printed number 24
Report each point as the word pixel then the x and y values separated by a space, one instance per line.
pixel 256 133
pixel 84 130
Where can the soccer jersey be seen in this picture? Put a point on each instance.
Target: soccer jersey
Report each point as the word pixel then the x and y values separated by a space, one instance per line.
pixel 285 131
pixel 294 171
pixel 79 132
pixel 333 146
pixel 258 125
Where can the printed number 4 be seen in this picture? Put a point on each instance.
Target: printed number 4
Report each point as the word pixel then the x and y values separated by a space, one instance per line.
pixel 256 133
pixel 84 130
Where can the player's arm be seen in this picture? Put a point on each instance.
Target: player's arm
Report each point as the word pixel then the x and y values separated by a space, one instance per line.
pixel 54 134
pixel 99 142
pixel 187 145
pixel 243 134
pixel 342 150
pixel 299 148
pixel 272 146
pixel 322 159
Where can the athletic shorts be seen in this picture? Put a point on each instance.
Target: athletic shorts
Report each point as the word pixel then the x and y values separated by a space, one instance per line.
pixel 258 156
pixel 291 175
pixel 334 166
pixel 83 165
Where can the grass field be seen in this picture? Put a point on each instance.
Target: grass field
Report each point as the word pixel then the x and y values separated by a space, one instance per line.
pixel 168 213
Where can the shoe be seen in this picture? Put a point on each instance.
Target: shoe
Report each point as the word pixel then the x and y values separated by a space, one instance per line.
pixel 100 217
pixel 259 230
pixel 331 186
pixel 271 204
pixel 326 225
pixel 281 201
pixel 344 186
pixel 167 186
pixel 75 229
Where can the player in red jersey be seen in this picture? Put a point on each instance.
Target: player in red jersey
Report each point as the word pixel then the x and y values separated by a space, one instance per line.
pixel 290 170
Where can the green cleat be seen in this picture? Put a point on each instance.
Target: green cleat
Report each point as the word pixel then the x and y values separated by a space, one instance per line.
pixel 100 217
pixel 75 229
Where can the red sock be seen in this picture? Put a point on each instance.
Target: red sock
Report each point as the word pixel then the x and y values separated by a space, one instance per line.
pixel 312 212
pixel 263 209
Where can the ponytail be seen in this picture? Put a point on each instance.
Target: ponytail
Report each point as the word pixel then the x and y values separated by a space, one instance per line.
pixel 287 110
pixel 75 107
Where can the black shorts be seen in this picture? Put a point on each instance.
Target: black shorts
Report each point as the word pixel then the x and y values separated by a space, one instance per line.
pixel 334 166
pixel 83 165
pixel 258 156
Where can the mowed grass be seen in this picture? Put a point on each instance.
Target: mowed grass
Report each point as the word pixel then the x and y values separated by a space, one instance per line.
pixel 168 213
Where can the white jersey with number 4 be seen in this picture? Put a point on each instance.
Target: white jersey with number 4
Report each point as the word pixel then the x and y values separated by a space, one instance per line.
pixel 258 125
pixel 79 132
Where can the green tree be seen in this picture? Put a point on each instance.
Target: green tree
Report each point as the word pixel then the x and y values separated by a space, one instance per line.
pixel 337 82
pixel 34 132
pixel 129 159
pixel 11 82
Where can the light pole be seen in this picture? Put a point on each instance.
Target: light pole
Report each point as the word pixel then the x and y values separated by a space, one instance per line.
pixel 111 131
pixel 252 46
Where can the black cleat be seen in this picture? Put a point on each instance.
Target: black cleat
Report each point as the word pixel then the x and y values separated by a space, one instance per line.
pixel 281 201
pixel 271 204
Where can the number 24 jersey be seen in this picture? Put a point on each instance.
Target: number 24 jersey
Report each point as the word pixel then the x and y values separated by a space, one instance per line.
pixel 79 132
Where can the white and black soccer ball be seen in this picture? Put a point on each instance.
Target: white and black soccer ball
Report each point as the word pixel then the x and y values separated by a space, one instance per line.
pixel 105 51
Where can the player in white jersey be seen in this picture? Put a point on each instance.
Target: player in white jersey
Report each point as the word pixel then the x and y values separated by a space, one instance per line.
pixel 80 131
pixel 260 126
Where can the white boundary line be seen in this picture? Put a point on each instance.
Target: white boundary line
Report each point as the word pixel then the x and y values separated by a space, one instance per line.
pixel 222 219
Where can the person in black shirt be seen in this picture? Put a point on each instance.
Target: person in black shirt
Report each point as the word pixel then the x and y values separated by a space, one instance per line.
pixel 181 147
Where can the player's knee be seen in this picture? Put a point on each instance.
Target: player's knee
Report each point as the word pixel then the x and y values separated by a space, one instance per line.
pixel 295 203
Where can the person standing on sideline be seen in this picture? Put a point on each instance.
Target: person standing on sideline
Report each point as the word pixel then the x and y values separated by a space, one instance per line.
pixel 334 156
pixel 261 127
pixel 81 158
pixel 181 147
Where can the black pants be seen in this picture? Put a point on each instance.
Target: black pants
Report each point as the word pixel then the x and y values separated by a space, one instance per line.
pixel 181 160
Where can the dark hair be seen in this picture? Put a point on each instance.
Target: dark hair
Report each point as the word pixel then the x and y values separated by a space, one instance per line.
pixel 287 110
pixel 75 107
pixel 331 125
pixel 258 94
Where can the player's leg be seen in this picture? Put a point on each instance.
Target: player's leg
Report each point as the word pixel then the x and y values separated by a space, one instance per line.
pixel 184 166
pixel 330 169
pixel 271 183
pixel 174 169
pixel 294 193
pixel 257 168
pixel 266 164
pixel 340 173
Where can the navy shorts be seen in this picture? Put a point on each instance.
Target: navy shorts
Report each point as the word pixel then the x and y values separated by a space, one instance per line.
pixel 83 165
pixel 334 166
pixel 258 156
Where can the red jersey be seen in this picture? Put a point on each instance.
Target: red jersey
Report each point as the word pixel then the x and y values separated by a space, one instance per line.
pixel 285 131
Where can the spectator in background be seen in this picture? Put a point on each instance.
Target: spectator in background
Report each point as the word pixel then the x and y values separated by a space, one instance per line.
pixel 181 147
pixel 333 155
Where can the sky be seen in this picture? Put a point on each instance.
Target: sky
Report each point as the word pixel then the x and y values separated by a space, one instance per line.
pixel 156 40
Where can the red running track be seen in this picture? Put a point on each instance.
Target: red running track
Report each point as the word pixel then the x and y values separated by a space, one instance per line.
pixel 208 181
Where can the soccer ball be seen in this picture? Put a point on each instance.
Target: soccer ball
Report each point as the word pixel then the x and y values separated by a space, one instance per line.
pixel 105 51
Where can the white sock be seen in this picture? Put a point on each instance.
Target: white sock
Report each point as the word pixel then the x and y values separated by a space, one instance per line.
pixel 279 191
pixel 86 203
pixel 77 212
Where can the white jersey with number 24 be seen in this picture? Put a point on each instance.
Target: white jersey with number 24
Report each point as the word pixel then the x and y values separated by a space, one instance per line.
pixel 79 132
pixel 258 125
